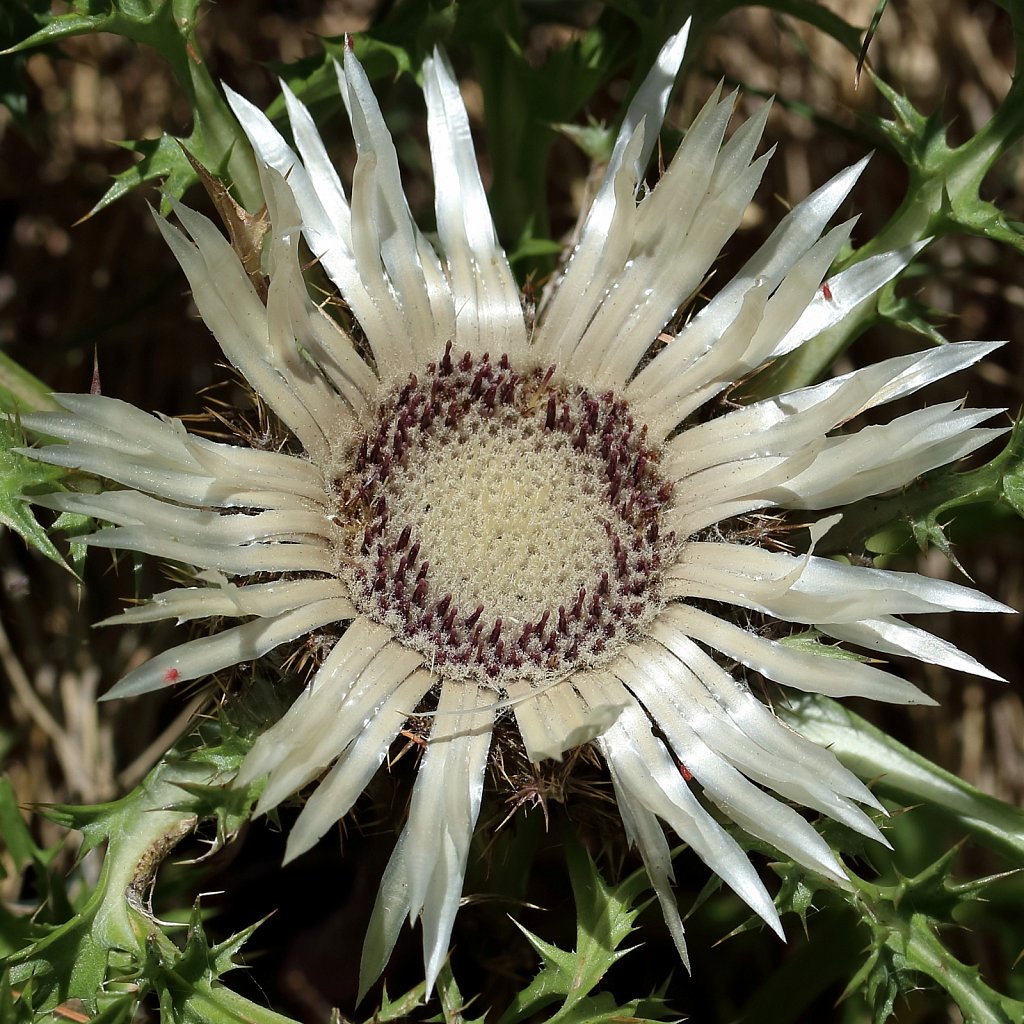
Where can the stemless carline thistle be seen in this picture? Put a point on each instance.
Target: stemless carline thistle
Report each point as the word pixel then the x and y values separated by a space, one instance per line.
pixel 530 523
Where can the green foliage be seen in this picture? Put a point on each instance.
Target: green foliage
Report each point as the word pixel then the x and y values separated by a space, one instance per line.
pixel 20 391
pixel 903 920
pixel 891 926
pixel 78 951
pixel 811 642
pixel 605 917
pixel 168 26
pixel 904 948
pixel 452 1003
pixel 26 857
pixel 945 182
pixel 20 477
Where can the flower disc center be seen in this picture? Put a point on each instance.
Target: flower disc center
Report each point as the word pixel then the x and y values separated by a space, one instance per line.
pixel 503 524
pixel 507 528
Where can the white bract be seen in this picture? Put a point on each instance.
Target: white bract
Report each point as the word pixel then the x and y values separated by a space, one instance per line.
pixel 530 523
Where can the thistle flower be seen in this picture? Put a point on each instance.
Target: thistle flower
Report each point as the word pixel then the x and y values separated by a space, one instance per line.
pixel 533 524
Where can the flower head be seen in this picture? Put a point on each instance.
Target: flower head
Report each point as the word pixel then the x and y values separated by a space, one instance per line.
pixel 531 524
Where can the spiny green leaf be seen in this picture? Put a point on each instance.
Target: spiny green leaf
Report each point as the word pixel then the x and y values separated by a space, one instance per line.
pixel 72 525
pixel 945 180
pixel 603 1008
pixel 112 935
pixel 796 894
pixel 119 1010
pixel 69 960
pixel 595 140
pixel 185 983
pixel 16 1009
pixel 162 161
pixel 17 19
pixel 906 313
pixel 21 476
pixel 400 1008
pixel 878 982
pixel 155 22
pixel 605 917
pixel 168 26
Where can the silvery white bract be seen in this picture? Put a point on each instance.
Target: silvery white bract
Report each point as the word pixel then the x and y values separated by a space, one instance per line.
pixel 530 522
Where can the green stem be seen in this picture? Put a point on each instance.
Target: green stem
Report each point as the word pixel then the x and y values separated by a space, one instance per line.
pixel 225 145
pixel 904 775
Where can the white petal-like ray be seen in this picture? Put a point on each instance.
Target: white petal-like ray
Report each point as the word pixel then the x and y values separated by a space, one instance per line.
pixel 810 589
pixel 846 291
pixel 823 472
pixel 882 458
pixel 102 421
pixel 607 230
pixel 326 217
pixel 648 778
pixel 296 326
pixel 247 642
pixel 780 425
pixel 644 831
pixel 836 676
pixel 227 599
pixel 338 791
pixel 237 318
pixel 708 702
pixel 672 629
pixel 671 207
pixel 776 452
pixel 425 874
pixel 293 320
pixel 649 288
pixel 649 675
pixel 361 643
pixel 332 714
pixel 235 559
pixel 889 635
pixel 327 227
pixel 557 719
pixel 271 541
pixel 596 262
pixel 177 524
pixel 395 261
pixel 693 368
pixel 488 310
pixel 115 440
